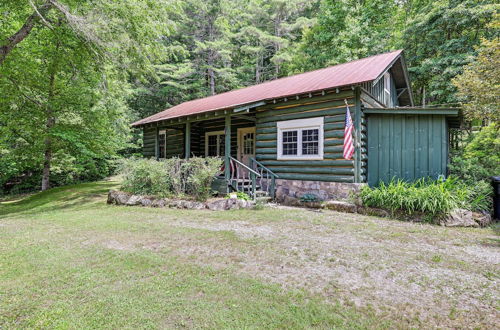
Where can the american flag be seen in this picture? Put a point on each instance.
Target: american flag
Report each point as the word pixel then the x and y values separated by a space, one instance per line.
pixel 348 143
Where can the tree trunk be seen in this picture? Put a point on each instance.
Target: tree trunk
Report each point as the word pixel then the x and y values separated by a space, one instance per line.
pixel 211 80
pixel 257 69
pixel 46 163
pixel 277 46
pixel 23 32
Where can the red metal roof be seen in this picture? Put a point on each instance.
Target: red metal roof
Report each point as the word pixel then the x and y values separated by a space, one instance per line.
pixel 355 72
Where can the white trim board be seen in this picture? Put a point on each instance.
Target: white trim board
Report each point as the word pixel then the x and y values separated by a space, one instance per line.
pixel 299 125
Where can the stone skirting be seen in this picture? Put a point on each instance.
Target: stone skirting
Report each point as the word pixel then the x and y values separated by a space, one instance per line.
pixel 324 190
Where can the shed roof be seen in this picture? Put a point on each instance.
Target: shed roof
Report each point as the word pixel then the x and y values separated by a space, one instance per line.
pixel 346 74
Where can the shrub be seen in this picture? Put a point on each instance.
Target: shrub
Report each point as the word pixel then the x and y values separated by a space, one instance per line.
pixel 475 163
pixel 199 174
pixel 170 177
pixel 479 197
pixel 146 177
pixel 434 198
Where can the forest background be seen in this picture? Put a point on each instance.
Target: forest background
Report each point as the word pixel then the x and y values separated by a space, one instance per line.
pixel 75 73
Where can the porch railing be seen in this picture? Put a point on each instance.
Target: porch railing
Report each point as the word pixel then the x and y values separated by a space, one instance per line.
pixel 243 178
pixel 266 178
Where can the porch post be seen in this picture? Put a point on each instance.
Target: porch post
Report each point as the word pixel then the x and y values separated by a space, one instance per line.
pixel 227 149
pixel 187 143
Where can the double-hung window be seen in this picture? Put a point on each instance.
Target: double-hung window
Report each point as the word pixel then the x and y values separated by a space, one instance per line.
pixel 214 144
pixel 300 139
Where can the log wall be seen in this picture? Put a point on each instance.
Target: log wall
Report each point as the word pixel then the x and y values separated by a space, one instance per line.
pixel 332 107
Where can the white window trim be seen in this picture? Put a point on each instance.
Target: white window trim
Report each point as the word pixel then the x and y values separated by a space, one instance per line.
pixel 299 125
pixel 207 134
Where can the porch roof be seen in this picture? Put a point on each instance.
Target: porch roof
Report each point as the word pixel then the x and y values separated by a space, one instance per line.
pixel 346 74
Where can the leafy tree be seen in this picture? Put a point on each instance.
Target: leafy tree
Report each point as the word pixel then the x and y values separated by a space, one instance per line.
pixel 63 76
pixel 440 40
pixel 479 84
pixel 346 30
pixel 271 27
pixel 219 45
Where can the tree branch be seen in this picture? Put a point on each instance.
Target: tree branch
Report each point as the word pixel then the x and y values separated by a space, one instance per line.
pixel 23 32
pixel 41 105
pixel 44 21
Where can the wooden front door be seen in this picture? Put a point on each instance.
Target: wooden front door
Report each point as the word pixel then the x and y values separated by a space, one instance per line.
pixel 246 144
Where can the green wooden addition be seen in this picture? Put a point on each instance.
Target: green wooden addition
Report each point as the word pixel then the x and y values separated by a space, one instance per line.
pixel 407 144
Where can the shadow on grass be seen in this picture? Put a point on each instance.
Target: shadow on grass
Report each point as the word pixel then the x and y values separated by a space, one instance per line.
pixel 59 198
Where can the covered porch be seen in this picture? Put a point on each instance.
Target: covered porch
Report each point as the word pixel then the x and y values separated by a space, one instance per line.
pixel 228 134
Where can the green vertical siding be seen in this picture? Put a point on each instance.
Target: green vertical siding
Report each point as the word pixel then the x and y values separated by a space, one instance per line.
pixel 377 91
pixel 406 146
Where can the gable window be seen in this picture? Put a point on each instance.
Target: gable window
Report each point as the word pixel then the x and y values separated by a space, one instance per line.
pixel 300 139
pixel 162 144
pixel 214 144
pixel 387 88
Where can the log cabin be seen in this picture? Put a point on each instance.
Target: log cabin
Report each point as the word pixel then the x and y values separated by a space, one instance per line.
pixel 285 137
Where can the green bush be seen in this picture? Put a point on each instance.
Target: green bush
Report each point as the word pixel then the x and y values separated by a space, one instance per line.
pixel 475 163
pixel 146 177
pixel 198 174
pixel 171 177
pixel 431 197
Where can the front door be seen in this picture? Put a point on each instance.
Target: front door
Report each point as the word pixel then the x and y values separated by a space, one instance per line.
pixel 246 144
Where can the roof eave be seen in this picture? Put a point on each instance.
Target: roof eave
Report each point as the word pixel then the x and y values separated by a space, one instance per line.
pixel 242 105
pixel 407 79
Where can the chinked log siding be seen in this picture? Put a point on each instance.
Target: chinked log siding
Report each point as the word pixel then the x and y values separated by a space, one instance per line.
pixel 175 137
pixel 174 142
pixel 149 142
pixel 332 108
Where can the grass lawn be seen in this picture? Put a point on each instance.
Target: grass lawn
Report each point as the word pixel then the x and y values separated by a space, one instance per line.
pixel 68 260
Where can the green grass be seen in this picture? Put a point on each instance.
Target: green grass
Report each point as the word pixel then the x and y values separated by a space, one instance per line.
pixel 68 260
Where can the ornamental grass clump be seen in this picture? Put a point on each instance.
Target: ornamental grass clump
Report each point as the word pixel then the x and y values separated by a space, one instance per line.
pixel 431 197
pixel 174 177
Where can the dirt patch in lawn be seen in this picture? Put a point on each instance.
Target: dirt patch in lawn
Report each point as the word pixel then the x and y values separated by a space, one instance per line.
pixel 440 277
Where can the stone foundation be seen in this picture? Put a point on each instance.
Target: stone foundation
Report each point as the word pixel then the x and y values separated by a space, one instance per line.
pixel 324 190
